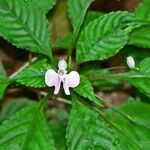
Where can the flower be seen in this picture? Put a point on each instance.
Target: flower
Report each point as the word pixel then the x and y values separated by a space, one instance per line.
pixel 130 62
pixel 70 80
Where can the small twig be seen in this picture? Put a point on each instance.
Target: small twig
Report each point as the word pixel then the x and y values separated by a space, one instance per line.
pixel 60 99
pixel 43 93
pixel 64 100
pixel 21 68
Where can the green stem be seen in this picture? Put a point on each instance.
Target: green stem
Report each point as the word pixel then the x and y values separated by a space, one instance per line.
pixel 113 68
pixel 119 76
pixel 76 33
pixel 99 77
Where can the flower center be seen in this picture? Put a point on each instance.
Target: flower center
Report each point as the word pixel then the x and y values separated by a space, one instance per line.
pixel 61 72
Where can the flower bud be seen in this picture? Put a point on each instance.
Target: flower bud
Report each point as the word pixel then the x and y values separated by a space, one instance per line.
pixel 62 65
pixel 130 62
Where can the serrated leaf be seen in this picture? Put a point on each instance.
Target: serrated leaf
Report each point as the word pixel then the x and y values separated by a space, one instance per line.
pixel 90 16
pixel 4 82
pixel 14 105
pixel 77 10
pixel 142 11
pixel 86 90
pixel 64 42
pixel 24 26
pixel 104 37
pixel 26 130
pixel 59 127
pixel 141 78
pixel 87 130
pixel 34 75
pixel 140 37
pixel 43 5
pixel 139 129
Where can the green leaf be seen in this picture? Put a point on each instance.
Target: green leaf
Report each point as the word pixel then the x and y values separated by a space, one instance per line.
pixel 14 105
pixel 77 10
pixel 4 82
pixel 34 75
pixel 104 37
pixel 24 26
pixel 142 11
pixel 43 5
pixel 140 37
pixel 90 16
pixel 58 126
pixel 139 129
pixel 87 129
pixel 64 42
pixel 141 78
pixel 26 130
pixel 86 90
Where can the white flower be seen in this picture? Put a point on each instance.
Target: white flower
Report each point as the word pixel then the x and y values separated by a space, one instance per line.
pixel 130 62
pixel 70 80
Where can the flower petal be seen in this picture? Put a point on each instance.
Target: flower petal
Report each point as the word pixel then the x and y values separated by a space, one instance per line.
pixel 71 80
pixel 52 79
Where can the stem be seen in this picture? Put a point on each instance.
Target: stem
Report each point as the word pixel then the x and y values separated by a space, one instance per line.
pixel 64 101
pixel 113 68
pixel 120 76
pixel 76 33
pixel 22 67
pixel 60 99
pixel 75 36
pixel 116 76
